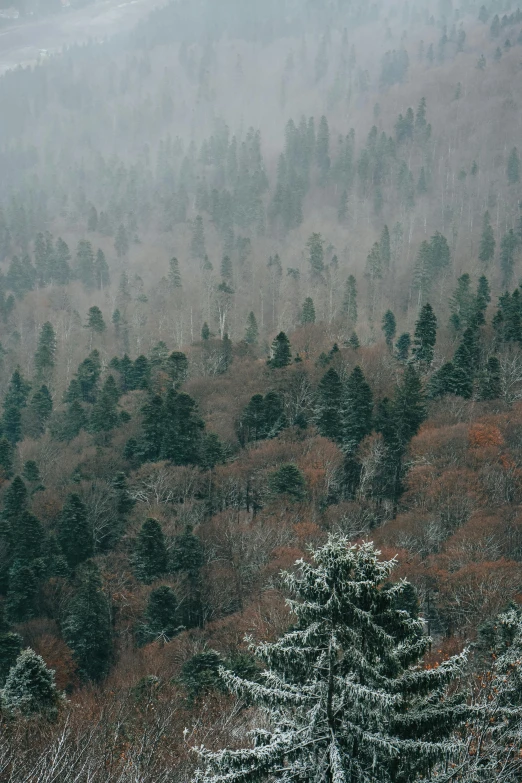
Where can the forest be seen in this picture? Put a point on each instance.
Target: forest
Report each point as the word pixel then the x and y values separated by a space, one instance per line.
pixel 261 398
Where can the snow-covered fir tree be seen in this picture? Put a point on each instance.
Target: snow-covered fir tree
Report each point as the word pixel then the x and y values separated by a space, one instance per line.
pixel 30 687
pixel 344 694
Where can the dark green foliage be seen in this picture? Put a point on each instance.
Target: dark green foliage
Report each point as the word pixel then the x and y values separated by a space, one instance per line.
pixel 462 303
pixel 174 274
pixel 150 556
pixel 491 382
pixel 402 347
pixel 177 368
pixel 443 382
pixel 60 270
pixel 353 341
pixel 95 320
pixel 85 386
pixel 87 625
pixel 161 614
pixel 187 558
pixel 101 271
pixel 21 276
pixel 263 417
pixel 104 416
pixel 483 298
pixel 288 480
pixel 252 331
pixel 85 263
pixel 68 424
pixel 487 241
pixel 315 246
pixel 508 248
pixel 201 673
pixel 30 688
pixel 513 167
pixel 389 327
pixel 356 411
pixel 280 354
pixel 212 452
pixel 125 503
pixel 44 357
pixel 197 246
pixel 15 500
pixel 328 411
pixel 465 363
pixel 205 331
pixel 22 592
pixel 6 458
pixel 308 311
pixel 425 336
pixel 74 532
pixel 350 300
pixel 181 429
pixel 187 553
pixel 121 242
pixel 10 648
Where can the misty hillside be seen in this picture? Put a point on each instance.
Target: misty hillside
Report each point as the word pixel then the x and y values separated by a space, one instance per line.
pixel 261 340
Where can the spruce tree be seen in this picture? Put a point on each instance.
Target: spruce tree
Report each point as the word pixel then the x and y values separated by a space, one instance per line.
pixel 174 275
pixel 513 167
pixel 442 382
pixel 252 424
pixel 280 355
pixel 85 263
pixel 252 331
pixel 344 696
pixel 177 367
pixel 508 247
pixel 328 408
pixel 10 649
pixel 389 327
pixel 487 241
pixel 402 347
pixel 21 593
pixel 462 303
pixel 95 320
pixel 205 332
pixel 30 687
pixel 197 246
pixel 482 300
pixel 150 557
pixel 44 357
pixel 74 532
pixel 182 428
pixel 350 300
pixel 385 249
pixel 187 559
pixel 465 363
pixel 308 311
pixel 161 614
pixel 356 411
pixel 491 382
pixel 87 624
pixel 425 336
pixel 315 246
pixel 102 277
pixel 121 242
pixel 353 341
pixel 274 418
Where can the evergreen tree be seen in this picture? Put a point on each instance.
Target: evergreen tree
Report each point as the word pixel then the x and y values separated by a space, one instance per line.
pixel 274 418
pixel 61 271
pixel 356 411
pixel 197 246
pixel 508 248
pixel 253 424
pixel 174 275
pixel 74 532
pixel 31 472
pixel 315 246
pixel 465 363
pixel 88 376
pixel 151 557
pixel 252 331
pixel 21 276
pixel 487 241
pixel 104 416
pixel 177 368
pixel 102 277
pixel 353 341
pixel 87 625
pixel 161 614
pixel 46 351
pixel 491 383
pixel 513 167
pixel 462 303
pixel 483 298
pixel 389 327
pixel 287 480
pixel 350 300
pixel 6 459
pixel 30 687
pixel 95 320
pixel 442 382
pixel 121 242
pixel 328 409
pixel 345 696
pixel 21 593
pixel 85 263
pixel 322 150
pixel 425 336
pixel 182 428
pixel 205 332
pixel 385 249
pixel 308 312
pixel 10 649
pixel 187 558
pixel 280 354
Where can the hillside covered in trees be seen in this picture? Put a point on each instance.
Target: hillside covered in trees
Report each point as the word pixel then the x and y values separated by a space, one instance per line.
pixel 261 304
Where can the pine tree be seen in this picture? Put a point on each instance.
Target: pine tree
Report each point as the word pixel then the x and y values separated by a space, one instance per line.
pixel 21 593
pixel 177 367
pixel 328 409
pixel 10 649
pixel 46 351
pixel 513 167
pixel 74 532
pixel 61 271
pixel 95 320
pixel 174 275
pixel 483 298
pixel 252 331
pixel 87 624
pixel 182 428
pixel 197 247
pixel 30 687
pixel 104 416
pixel 205 332
pixel 442 382
pixel 508 248
pixel 385 249
pixel 350 300
pixel 344 695
pixel 425 336
pixel 353 341
pixel 356 411
pixel 121 242
pixel 315 246
pixel 288 480
pixel 462 303
pixel 252 424
pixel 465 363
pixel 308 311
pixel 187 558
pixel 161 614
pixel 487 241
pixel 31 472
pixel 85 263
pixel 491 383
pixel 389 327
pixel 322 150
pixel 151 557
pixel 102 277
pixel 280 354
